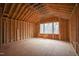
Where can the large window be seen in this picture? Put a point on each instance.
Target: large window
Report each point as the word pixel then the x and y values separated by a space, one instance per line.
pixel 49 28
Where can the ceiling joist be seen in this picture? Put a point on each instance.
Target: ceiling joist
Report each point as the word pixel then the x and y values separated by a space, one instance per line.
pixel 34 12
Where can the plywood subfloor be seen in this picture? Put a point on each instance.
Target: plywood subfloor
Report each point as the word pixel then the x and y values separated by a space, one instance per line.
pixel 39 47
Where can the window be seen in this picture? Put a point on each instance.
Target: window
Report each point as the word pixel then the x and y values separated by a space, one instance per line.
pixel 49 28
pixel 56 27
pixel 41 28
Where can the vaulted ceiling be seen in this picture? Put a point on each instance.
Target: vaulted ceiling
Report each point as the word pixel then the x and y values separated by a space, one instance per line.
pixel 34 12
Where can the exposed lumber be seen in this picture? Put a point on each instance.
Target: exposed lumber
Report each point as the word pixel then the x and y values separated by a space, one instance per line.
pixel 15 21
pixel 36 11
pixel 1 25
pixel 13 5
pixel 31 13
pixel 26 10
pixel 29 10
pixel 21 10
pixel 59 9
pixel 73 10
pixel 4 9
pixel 17 9
pixel 9 14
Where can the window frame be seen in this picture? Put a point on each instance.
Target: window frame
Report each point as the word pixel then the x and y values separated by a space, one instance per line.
pixel 52 28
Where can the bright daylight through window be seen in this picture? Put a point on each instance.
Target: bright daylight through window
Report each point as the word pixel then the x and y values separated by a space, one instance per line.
pixel 49 28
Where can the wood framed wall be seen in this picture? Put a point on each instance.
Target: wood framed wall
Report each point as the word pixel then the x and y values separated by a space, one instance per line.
pixel 64 30
pixel 74 28
pixel 77 45
pixel 63 23
pixel 14 30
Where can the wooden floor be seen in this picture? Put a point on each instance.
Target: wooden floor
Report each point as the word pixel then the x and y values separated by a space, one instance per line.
pixel 39 47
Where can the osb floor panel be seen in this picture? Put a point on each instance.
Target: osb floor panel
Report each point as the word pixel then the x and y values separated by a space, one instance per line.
pixel 39 47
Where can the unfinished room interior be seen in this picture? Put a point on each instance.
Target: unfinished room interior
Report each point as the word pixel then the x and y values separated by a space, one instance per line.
pixel 39 29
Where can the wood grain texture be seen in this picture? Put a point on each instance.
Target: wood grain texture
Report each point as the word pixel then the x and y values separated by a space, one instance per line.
pixel 74 28
pixel 35 12
pixel 39 47
pixel 21 21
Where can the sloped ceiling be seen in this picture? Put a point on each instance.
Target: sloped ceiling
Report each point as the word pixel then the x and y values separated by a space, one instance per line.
pixel 35 12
